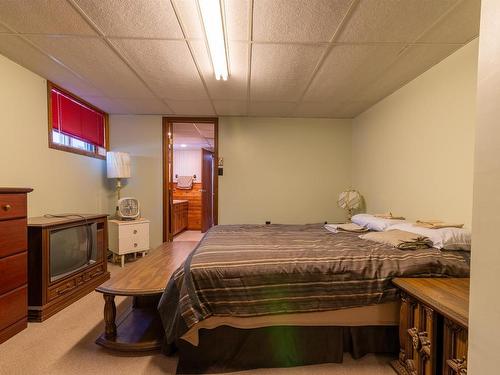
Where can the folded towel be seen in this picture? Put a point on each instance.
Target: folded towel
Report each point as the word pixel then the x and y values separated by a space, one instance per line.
pixel 185 182
pixel 436 224
pixel 346 227
pixel 389 215
pixel 399 238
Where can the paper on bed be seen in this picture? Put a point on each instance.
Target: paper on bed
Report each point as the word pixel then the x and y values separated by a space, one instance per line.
pixel 346 227
pixel 437 224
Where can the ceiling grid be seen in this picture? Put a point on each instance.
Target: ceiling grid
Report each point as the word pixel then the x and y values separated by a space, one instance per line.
pixel 314 58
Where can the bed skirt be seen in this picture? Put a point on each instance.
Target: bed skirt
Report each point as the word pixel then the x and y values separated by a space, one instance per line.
pixel 226 348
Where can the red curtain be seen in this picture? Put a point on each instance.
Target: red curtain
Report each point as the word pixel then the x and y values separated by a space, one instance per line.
pixel 75 119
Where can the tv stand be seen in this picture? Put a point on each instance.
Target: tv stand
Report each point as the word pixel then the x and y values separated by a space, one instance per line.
pixel 46 297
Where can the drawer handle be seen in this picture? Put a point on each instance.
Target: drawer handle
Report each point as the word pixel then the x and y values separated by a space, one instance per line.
pixel 135 245
pixel 7 207
pixel 135 231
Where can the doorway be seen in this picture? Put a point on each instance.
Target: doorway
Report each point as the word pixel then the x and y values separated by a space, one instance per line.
pixel 190 188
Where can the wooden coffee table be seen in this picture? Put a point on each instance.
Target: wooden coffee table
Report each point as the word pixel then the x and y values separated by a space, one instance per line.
pixel 140 328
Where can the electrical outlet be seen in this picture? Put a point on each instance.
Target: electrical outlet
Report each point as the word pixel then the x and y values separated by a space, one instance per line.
pixel 268 222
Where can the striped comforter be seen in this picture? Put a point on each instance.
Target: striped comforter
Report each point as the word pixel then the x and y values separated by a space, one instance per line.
pixel 251 270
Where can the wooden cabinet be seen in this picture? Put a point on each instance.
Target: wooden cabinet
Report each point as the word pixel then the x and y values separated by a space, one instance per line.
pixel 433 326
pixel 126 237
pixel 13 262
pixel 180 217
pixel 52 288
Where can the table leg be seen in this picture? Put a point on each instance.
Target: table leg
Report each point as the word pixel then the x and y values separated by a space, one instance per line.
pixel 122 258
pixel 110 316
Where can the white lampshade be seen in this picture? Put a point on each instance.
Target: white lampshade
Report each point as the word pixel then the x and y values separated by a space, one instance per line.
pixel 118 164
pixel 349 199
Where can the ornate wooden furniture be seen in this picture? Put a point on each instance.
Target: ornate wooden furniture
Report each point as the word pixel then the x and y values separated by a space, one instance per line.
pixel 140 329
pixel 46 297
pixel 128 236
pixel 180 219
pixel 433 326
pixel 13 262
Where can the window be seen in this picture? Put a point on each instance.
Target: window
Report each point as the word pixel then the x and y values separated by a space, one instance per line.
pixel 75 125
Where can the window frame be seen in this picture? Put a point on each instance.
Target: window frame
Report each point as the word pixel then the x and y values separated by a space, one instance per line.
pixel 60 147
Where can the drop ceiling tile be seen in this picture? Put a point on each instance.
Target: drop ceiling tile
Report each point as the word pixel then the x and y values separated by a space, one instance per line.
pixel 230 107
pixel 139 106
pixel 205 128
pixel 297 20
pixel 392 21
pixel 268 108
pixel 95 61
pixel 314 109
pixel 348 68
pixel 133 18
pixel 23 53
pixel 351 109
pixel 413 62
pixel 459 26
pixel 191 107
pixel 237 19
pixel 166 65
pixel 190 18
pixel 235 88
pixel 280 72
pixel 4 29
pixel 44 17
pixel 236 13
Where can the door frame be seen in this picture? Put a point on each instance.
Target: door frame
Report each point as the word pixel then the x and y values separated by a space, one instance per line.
pixel 167 123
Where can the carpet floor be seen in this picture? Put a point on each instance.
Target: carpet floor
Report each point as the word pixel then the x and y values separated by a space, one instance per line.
pixel 64 345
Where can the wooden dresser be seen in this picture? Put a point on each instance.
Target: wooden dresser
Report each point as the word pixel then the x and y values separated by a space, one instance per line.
pixel 13 262
pixel 433 326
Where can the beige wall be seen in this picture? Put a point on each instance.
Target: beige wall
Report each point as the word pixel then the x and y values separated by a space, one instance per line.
pixel 62 182
pixel 413 151
pixel 282 169
pixel 140 136
pixel 484 312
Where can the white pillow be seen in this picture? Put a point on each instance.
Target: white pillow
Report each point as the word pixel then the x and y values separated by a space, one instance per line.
pixel 443 238
pixel 374 223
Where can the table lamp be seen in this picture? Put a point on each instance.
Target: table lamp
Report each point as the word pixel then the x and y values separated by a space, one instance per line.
pixel 349 200
pixel 118 166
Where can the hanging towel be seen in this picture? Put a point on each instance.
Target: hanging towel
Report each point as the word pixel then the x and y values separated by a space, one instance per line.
pixel 185 182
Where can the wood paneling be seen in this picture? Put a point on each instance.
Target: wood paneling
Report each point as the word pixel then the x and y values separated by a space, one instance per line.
pixel 193 197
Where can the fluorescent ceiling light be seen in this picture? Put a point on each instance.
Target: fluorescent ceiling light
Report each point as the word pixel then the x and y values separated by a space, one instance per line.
pixel 183 145
pixel 211 14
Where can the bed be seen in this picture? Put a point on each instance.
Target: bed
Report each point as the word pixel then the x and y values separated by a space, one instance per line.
pixel 319 293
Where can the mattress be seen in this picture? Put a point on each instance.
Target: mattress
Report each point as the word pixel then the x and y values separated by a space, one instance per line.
pixel 384 314
pixel 249 271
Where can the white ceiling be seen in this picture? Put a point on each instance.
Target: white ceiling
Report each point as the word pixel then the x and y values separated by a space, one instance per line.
pixel 301 58
pixel 193 136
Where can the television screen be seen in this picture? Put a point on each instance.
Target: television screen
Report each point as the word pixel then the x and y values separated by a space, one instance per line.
pixel 72 249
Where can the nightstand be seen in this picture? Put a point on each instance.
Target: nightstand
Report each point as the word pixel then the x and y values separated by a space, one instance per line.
pixel 126 237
